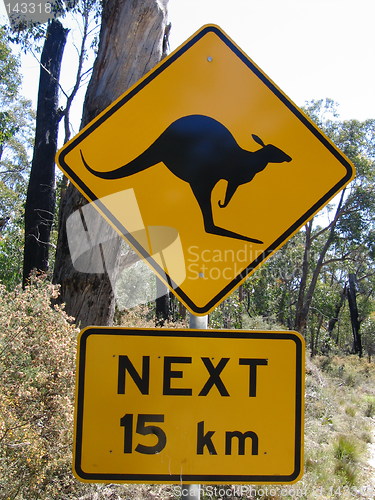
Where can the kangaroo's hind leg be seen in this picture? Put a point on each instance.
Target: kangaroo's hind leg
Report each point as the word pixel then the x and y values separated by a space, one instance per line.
pixel 202 193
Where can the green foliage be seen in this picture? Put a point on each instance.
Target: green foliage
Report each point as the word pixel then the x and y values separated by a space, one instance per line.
pixel 31 33
pixel 368 334
pixel 12 119
pixel 16 136
pixel 37 358
pixel 10 78
pixel 271 291
pixel 309 274
pixel 11 237
pixel 229 313
pixel 17 143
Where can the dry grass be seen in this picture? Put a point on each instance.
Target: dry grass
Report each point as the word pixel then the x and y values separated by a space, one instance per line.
pixel 339 428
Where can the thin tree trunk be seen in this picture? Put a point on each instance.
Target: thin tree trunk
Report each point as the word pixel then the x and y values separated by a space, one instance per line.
pixel 300 321
pixel 317 336
pixel 303 308
pixel 333 321
pixel 40 201
pixel 181 310
pixel 312 344
pixel 132 41
pixel 352 299
pixel 162 309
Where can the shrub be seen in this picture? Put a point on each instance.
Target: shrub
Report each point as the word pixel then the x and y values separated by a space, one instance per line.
pixel 37 359
pixel 370 408
pixel 346 450
pixel 347 456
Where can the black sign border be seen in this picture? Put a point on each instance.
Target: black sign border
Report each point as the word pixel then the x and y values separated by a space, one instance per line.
pixel 281 239
pixel 193 478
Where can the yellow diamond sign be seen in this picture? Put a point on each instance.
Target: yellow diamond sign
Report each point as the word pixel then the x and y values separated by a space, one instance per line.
pixel 189 406
pixel 205 151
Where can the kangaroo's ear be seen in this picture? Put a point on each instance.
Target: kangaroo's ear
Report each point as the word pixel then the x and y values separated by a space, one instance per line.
pixel 257 139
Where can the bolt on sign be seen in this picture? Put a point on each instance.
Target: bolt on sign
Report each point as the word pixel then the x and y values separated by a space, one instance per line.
pixel 175 406
pixel 207 147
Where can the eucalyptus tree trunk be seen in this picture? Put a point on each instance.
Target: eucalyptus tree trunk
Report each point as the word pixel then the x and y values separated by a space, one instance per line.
pixel 334 320
pixel 132 41
pixel 354 317
pixel 40 201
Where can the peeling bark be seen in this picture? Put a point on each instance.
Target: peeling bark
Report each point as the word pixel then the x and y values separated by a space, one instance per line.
pixel 132 42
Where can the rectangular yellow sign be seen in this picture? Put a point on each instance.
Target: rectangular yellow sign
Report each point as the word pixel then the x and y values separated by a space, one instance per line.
pixel 189 406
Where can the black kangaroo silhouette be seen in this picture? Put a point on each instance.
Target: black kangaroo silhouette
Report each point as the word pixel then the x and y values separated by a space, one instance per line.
pixel 201 151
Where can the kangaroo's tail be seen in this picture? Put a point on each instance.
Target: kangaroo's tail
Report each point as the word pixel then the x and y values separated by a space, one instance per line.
pixel 139 163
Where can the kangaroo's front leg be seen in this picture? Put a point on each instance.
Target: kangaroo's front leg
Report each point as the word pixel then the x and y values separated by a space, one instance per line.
pixel 202 193
pixel 231 189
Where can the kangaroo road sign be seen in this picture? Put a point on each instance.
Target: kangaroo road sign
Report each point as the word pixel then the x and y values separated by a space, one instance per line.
pixel 208 147
pixel 189 406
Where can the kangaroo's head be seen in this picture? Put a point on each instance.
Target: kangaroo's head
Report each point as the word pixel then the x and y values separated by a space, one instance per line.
pixel 271 153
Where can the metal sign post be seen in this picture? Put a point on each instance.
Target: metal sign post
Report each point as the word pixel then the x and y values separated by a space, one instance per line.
pixel 198 322
pixel 190 492
pixel 194 493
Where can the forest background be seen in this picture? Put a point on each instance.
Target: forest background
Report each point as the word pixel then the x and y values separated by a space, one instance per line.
pixel 320 283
